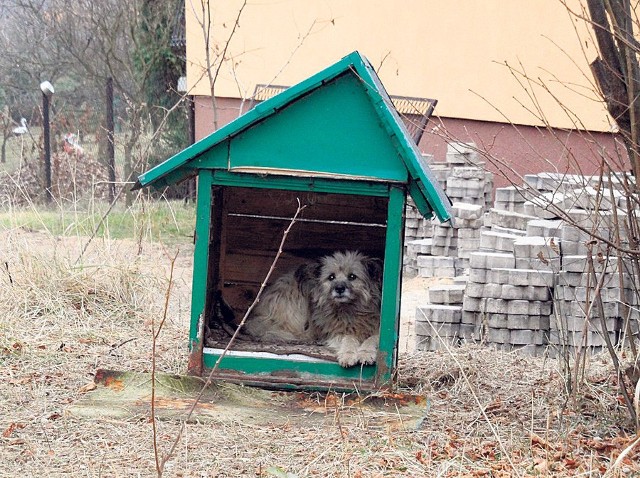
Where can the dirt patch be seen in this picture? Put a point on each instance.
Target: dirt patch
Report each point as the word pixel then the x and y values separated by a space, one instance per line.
pixel 486 413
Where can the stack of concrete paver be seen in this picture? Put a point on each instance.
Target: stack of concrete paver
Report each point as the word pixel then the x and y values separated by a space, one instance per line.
pixel 507 303
pixel 528 284
pixel 467 180
pixel 442 250
pixel 510 198
pixel 578 318
pixel 452 242
pixel 439 322
pixel 417 238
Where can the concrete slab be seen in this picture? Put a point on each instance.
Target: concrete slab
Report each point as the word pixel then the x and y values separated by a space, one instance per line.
pixel 127 395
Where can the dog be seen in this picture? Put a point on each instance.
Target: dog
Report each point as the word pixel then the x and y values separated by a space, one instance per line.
pixel 334 301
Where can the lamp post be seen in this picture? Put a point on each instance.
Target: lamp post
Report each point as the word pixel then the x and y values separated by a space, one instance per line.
pixel 47 91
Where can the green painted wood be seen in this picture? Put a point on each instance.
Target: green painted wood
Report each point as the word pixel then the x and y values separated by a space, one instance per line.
pixel 201 253
pixel 319 125
pixel 390 307
pixel 261 111
pixel 295 183
pixel 272 366
pixel 333 130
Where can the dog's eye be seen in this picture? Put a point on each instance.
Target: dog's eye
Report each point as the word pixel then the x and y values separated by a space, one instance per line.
pixel 352 277
pixel 331 277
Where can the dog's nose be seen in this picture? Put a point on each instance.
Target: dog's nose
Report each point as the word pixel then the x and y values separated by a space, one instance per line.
pixel 340 289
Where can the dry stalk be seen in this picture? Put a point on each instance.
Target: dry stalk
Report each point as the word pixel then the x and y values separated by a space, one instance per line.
pixel 214 369
pixel 605 333
pixel 154 339
pixel 482 408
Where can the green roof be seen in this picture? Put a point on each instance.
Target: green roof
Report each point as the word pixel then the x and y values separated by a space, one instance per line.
pixel 339 123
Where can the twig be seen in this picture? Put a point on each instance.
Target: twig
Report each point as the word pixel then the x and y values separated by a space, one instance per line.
pixel 605 334
pixel 159 464
pixel 482 408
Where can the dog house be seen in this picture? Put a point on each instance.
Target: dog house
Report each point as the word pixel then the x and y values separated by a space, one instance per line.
pixel 334 144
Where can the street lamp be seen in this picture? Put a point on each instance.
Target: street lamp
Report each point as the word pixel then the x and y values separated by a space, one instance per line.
pixel 47 90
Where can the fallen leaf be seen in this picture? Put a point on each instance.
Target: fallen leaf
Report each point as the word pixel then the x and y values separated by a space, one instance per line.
pixel 11 428
pixel 542 258
pixel 88 387
pixel 538 440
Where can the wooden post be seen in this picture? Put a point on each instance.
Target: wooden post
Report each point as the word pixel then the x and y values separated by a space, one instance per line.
pixel 109 125
pixel 47 147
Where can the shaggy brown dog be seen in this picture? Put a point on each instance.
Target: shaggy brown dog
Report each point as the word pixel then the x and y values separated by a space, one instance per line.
pixel 335 301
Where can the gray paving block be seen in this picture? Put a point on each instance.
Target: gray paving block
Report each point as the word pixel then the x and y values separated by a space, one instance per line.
pixel 531 322
pixel 523 337
pixel 491 260
pixel 541 265
pixel 470 332
pixel 436 271
pixel 497 321
pixel 439 313
pixel 493 290
pixel 435 261
pixel 420 246
pixel 469 317
pixel 436 329
pixel 497 259
pixel 469 172
pixel 498 306
pixel 544 227
pixel 475 289
pixel 449 294
pixel 579 338
pixel 572 233
pixel 473 304
pixel 444 241
pixel 467 211
pixel 509 220
pixel 579 323
pixel 531 293
pixel 497 241
pixel 528 307
pixel 511 194
pixel 500 336
pixel 591 199
pixel 521 277
pixel 572 248
pixel 479 275
pixel 506 230
pixel 469 233
pixel 536 246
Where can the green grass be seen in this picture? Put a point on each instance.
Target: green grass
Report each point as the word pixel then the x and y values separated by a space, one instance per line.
pixel 169 222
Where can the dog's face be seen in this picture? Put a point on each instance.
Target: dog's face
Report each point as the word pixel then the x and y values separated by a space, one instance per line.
pixel 348 277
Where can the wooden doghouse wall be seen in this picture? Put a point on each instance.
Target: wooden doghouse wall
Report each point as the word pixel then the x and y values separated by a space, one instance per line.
pixel 248 226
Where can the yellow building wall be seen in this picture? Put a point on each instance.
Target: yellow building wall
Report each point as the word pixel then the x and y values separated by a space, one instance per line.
pixel 519 61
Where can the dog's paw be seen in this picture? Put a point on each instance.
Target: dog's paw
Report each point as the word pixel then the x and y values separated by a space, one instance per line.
pixel 348 358
pixel 368 351
pixel 367 355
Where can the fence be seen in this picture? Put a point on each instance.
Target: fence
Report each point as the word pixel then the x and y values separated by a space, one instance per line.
pixel 94 147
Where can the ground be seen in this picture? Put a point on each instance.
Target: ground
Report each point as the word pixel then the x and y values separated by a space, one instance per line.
pixel 63 316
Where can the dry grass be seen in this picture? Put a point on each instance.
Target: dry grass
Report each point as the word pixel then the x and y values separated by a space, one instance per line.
pixel 488 414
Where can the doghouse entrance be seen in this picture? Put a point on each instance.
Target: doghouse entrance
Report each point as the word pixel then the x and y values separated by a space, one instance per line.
pixel 247 228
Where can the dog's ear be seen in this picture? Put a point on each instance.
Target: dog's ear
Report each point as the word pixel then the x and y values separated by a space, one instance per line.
pixel 307 276
pixel 374 268
pixel 305 272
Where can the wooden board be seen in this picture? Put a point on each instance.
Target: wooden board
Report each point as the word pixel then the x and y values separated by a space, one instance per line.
pixel 252 224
